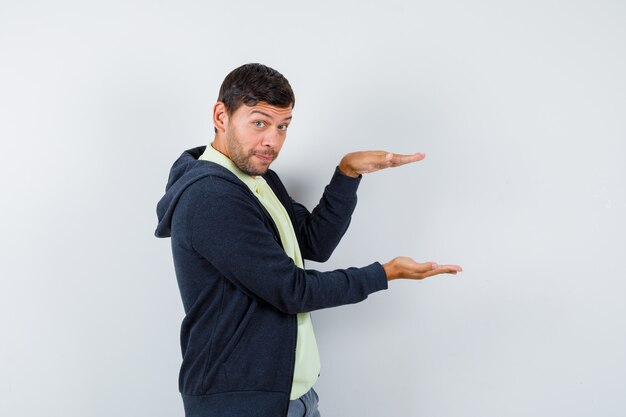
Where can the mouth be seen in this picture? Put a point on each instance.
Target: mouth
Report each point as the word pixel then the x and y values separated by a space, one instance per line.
pixel 264 158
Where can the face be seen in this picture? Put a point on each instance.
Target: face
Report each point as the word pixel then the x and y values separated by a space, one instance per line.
pixel 254 135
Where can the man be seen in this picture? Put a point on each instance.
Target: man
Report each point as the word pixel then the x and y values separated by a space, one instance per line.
pixel 238 243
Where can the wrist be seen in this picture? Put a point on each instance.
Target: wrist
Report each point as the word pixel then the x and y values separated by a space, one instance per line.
pixel 390 270
pixel 345 169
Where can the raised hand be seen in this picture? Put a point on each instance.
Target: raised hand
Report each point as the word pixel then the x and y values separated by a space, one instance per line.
pixel 407 268
pixel 357 163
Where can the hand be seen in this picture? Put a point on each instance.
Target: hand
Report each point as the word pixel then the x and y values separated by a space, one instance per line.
pixel 357 163
pixel 404 267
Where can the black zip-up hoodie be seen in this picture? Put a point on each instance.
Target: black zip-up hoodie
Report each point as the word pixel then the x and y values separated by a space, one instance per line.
pixel 240 290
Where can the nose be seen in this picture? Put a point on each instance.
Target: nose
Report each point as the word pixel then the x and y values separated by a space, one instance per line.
pixel 271 139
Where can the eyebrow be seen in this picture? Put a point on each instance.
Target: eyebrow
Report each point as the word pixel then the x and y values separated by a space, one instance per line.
pixel 268 116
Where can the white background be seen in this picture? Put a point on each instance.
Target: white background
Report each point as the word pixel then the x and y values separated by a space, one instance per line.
pixel 520 107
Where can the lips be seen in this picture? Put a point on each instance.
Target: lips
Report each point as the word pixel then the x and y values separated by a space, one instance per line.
pixel 263 157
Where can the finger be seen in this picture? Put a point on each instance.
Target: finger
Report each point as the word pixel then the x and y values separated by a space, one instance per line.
pixel 456 268
pixel 442 269
pixel 447 269
pixel 425 267
pixel 398 160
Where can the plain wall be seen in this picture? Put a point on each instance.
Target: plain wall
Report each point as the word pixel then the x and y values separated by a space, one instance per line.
pixel 520 107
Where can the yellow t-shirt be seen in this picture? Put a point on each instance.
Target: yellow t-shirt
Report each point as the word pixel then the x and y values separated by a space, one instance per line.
pixel 307 365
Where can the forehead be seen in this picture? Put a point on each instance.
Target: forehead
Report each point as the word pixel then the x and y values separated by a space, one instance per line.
pixel 262 108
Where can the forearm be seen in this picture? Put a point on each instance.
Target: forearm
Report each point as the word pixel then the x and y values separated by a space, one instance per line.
pixel 321 230
pixel 243 250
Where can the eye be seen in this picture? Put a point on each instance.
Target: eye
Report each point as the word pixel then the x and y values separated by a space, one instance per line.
pixel 259 123
pixel 283 127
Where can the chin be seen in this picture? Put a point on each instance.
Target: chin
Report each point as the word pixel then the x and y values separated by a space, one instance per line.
pixel 256 171
pixel 261 169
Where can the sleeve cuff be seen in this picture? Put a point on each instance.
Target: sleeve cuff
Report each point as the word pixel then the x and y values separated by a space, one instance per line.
pixel 378 277
pixel 343 184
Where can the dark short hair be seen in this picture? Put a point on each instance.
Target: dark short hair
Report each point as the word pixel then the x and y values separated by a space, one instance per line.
pixel 253 83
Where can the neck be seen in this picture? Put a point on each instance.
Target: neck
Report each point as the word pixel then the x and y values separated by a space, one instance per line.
pixel 220 145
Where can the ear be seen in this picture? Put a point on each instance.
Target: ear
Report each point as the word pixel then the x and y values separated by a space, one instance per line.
pixel 220 116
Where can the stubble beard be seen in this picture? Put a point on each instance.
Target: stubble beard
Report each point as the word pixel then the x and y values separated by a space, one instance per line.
pixel 243 159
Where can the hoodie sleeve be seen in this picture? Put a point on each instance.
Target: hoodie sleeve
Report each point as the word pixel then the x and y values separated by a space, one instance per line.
pixel 321 230
pixel 231 233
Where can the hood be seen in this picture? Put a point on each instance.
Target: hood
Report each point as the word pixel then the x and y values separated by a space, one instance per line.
pixel 185 171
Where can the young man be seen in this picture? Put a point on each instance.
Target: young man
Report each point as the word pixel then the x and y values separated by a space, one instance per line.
pixel 239 243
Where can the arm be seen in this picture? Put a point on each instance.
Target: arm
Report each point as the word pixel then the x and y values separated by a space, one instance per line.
pixel 320 231
pixel 230 232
